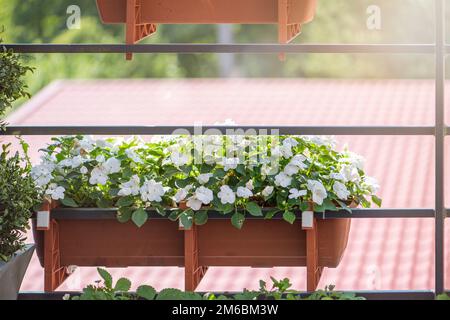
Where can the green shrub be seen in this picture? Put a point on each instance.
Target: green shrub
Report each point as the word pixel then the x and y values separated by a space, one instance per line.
pixel 18 196
pixel 12 84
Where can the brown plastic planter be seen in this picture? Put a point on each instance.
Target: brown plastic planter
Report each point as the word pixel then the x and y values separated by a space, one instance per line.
pixel 142 16
pixel 91 237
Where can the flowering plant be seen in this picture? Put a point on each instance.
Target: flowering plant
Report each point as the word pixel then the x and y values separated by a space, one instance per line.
pixel 186 176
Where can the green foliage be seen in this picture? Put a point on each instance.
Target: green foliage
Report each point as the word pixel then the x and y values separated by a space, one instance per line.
pixel 443 296
pixel 280 291
pixel 18 196
pixel 12 83
pixel 291 174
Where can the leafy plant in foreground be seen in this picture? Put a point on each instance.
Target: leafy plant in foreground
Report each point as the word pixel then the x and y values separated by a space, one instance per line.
pixel 121 291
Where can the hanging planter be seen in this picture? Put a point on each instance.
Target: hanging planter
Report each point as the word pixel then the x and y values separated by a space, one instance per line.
pixel 176 210
pixel 142 16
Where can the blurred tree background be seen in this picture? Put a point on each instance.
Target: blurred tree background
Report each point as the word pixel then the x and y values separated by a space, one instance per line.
pixel 337 21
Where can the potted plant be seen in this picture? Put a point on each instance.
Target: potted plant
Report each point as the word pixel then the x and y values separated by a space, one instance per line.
pixel 142 16
pixel 18 196
pixel 263 185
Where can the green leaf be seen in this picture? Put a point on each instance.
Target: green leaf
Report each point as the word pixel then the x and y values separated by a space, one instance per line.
pixel 139 217
pixel 146 292
pixel 237 220
pixel 272 213
pixel 253 209
pixel 69 202
pixel 123 285
pixel 289 217
pixel 104 203
pixel 186 219
pixel 377 200
pixel 201 217
pixel 125 201
pixel 124 214
pixel 106 276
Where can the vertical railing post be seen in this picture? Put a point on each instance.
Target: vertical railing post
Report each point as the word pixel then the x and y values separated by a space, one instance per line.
pixel 439 145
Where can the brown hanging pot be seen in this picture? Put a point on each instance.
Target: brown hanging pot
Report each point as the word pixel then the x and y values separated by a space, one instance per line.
pixel 142 16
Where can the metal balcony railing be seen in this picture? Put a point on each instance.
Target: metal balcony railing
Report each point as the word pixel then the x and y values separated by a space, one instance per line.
pixel 439 49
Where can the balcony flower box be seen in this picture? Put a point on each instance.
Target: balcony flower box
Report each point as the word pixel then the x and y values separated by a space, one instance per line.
pixel 175 211
pixel 142 16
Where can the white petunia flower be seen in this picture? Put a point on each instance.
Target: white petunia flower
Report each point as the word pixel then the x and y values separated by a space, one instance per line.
pixel 204 178
pixel 130 187
pixel 318 191
pixel 98 176
pixel 112 165
pixel 83 170
pixel 267 191
pixel 283 180
pixel 249 185
pixel 244 192
pixel 152 191
pixel 298 160
pixel 203 194
pixel 194 203
pixel 341 190
pixel 87 143
pixel 295 193
pixel 56 192
pixel 77 161
pixel 226 195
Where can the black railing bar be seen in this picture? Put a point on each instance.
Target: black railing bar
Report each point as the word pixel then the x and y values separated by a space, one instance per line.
pixel 168 130
pixel 222 48
pixel 369 295
pixel 107 214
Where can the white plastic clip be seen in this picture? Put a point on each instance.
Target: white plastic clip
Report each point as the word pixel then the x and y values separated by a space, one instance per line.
pixel 307 220
pixel 43 220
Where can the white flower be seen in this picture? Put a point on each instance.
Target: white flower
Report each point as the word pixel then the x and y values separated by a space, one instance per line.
pixel 203 194
pixel 283 180
pixel 130 187
pixel 112 165
pixel 291 169
pixel 42 174
pixel 66 297
pixel 295 193
pixel 291 142
pixel 194 203
pixel 284 150
pixel 341 190
pixel 350 173
pixel 100 158
pixel 230 163
pixel 244 192
pixel 356 160
pixel 179 159
pixel 180 195
pixel 371 184
pixel 226 195
pixel 204 178
pixel 267 191
pixel 298 160
pixel 318 191
pixel 249 185
pixel 87 143
pixel 323 140
pixel 83 170
pixel 152 191
pixel 56 192
pixel 337 176
pixel 98 176
pixel 131 153
pixel 76 162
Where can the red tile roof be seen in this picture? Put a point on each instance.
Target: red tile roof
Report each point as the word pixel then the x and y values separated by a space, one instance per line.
pixel 382 253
